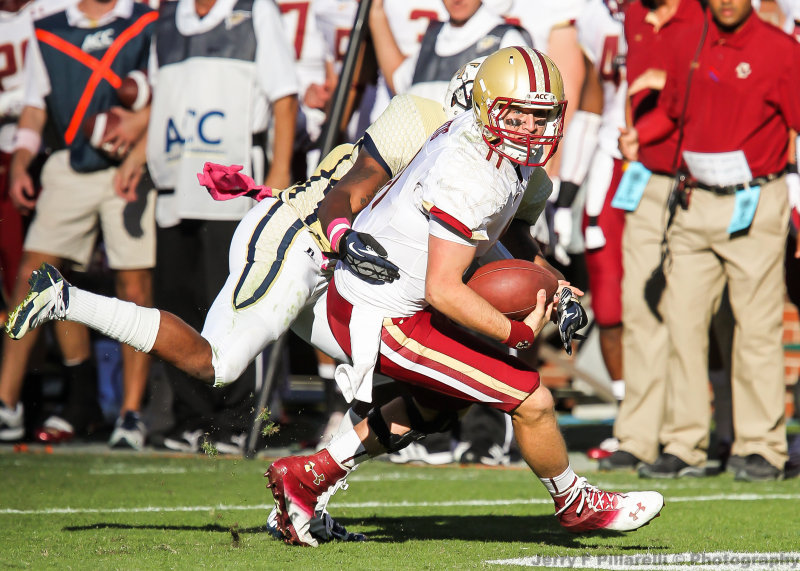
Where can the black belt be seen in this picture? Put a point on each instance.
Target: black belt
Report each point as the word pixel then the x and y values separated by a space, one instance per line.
pixel 734 188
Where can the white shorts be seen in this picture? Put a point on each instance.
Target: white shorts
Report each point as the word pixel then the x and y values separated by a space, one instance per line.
pixel 274 276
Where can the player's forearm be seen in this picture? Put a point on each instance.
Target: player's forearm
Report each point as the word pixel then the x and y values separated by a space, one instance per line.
pixel 353 192
pixel 387 51
pixel 29 129
pixel 285 112
pixel 458 302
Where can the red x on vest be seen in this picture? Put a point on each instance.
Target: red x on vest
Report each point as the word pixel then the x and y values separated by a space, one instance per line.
pixel 101 69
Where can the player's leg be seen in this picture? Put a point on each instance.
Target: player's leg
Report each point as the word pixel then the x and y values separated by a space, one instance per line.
pixel 274 276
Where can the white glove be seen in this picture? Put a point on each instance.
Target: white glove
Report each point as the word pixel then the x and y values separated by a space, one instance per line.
pixel 793 185
pixel 562 225
pixel 594 238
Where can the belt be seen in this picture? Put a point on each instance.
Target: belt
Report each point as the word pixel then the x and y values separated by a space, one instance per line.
pixel 733 188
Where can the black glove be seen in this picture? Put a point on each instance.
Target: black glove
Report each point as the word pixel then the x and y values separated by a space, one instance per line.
pixel 571 317
pixel 365 257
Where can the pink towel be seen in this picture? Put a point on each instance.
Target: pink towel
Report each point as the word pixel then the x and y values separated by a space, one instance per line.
pixel 224 183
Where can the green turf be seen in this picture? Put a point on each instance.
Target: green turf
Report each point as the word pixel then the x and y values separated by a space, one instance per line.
pixel 141 511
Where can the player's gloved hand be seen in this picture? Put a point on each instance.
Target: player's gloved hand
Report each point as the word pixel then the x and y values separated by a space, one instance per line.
pixel 366 257
pixel 571 318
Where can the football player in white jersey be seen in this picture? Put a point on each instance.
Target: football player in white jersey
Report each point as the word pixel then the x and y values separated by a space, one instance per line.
pixel 450 204
pixel 315 91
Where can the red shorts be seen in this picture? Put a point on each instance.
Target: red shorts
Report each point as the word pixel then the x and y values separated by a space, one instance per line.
pixel 452 367
pixel 604 265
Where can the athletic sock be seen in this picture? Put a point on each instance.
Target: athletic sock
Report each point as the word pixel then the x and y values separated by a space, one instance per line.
pixel 561 484
pixel 123 321
pixel 347 450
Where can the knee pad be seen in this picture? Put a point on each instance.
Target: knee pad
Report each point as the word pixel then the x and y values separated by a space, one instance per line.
pixel 419 427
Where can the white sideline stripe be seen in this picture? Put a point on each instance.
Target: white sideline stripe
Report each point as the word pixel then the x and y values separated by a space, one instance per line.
pixel 385 505
pixel 716 560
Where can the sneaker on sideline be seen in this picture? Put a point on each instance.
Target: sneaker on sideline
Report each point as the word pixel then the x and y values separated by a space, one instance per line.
pixel 129 432
pixel 416 452
pixel 47 299
pixel 55 430
pixel 670 466
pixel 619 460
pixel 757 469
pixel 605 449
pixel 12 422
pixel 185 441
pixel 230 444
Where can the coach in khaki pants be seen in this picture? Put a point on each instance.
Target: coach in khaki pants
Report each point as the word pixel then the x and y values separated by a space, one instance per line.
pixel 705 257
pixel 645 339
pixel 736 113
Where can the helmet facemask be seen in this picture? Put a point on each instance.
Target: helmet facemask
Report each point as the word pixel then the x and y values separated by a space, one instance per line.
pixel 528 149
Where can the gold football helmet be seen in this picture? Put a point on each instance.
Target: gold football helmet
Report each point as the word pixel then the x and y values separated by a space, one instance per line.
pixel 519 77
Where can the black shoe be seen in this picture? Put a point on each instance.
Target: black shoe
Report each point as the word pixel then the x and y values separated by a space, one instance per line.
pixel 619 460
pixel 734 464
pixel 757 469
pixel 670 466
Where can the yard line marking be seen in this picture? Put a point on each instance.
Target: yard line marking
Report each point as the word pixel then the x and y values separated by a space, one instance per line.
pixel 383 505
pixel 716 560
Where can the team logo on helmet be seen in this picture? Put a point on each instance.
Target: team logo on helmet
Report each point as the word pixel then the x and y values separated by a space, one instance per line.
pixel 459 92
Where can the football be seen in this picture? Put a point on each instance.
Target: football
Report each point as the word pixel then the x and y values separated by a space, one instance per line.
pixel 134 93
pixel 511 285
pixel 96 126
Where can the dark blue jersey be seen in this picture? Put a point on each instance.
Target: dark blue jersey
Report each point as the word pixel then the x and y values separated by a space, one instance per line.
pixel 85 67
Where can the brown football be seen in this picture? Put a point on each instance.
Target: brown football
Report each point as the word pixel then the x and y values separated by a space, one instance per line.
pixel 96 126
pixel 134 93
pixel 511 285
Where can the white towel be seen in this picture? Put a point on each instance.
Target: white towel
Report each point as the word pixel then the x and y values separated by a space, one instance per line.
pixel 355 381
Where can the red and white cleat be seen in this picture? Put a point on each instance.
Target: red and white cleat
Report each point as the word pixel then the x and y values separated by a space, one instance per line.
pixel 298 484
pixel 586 508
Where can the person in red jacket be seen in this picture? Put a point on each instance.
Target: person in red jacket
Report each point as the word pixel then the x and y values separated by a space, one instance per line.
pixel 736 109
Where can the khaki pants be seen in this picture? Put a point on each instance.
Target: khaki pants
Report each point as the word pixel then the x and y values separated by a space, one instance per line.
pixel 645 339
pixel 704 259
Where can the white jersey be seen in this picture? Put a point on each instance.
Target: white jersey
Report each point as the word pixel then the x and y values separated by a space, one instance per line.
pixel 300 24
pixel 408 20
pixel 603 42
pixel 334 20
pixel 540 17
pixel 451 189
pixel 16 29
pixel 450 41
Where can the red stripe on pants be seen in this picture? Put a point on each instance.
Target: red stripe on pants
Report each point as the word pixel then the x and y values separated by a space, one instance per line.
pixel 437 334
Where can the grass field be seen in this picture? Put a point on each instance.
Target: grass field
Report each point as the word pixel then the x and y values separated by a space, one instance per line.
pixel 145 511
